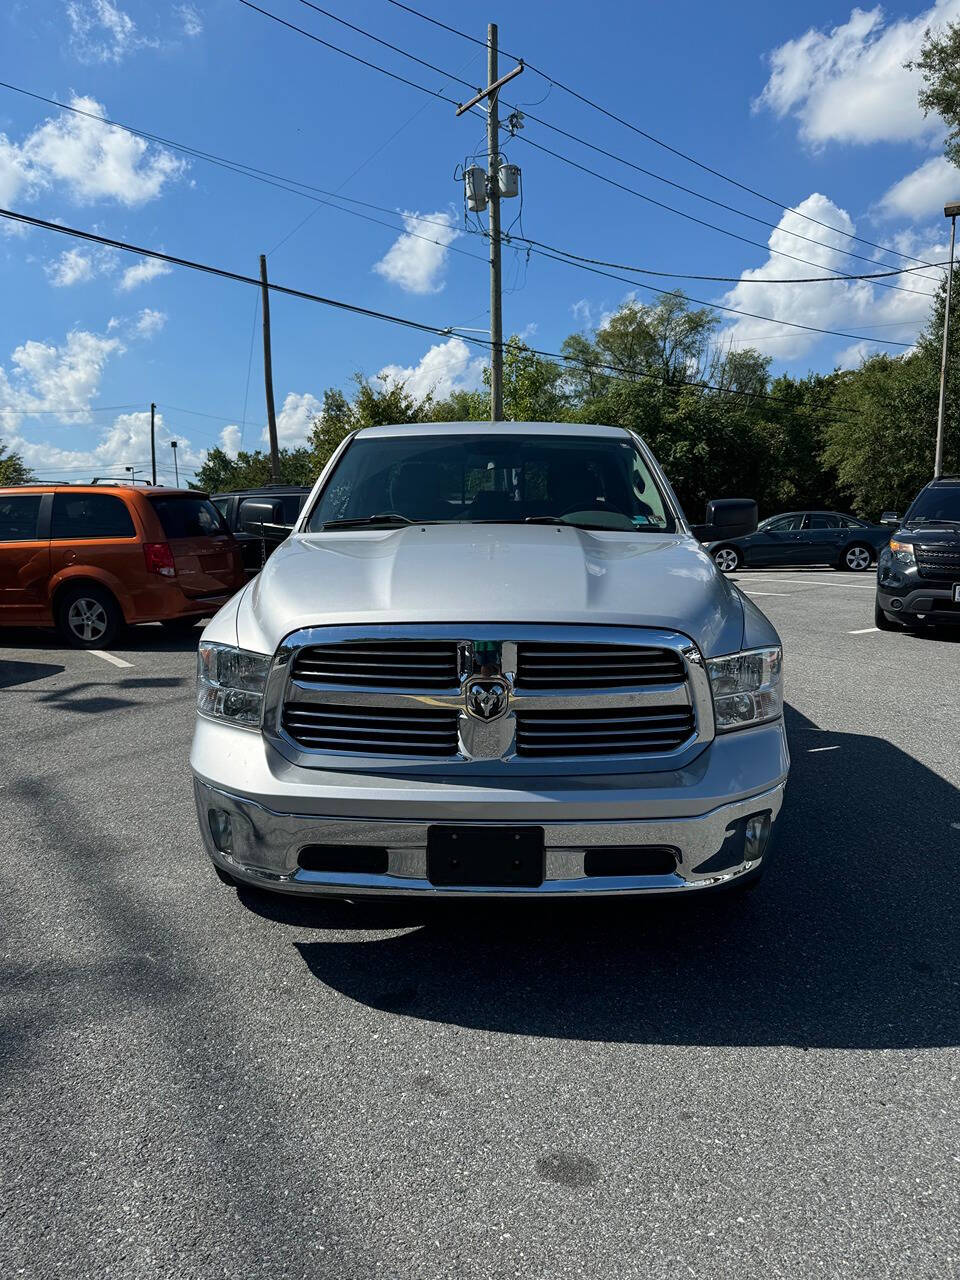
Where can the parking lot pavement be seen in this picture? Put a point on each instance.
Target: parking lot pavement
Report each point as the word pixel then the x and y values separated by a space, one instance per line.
pixel 200 1083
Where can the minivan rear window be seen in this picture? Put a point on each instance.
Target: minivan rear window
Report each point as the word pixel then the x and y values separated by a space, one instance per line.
pixel 90 515
pixel 189 517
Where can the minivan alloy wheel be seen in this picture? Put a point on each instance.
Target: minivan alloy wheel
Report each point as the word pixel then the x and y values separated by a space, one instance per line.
pixel 87 619
pixel 857 558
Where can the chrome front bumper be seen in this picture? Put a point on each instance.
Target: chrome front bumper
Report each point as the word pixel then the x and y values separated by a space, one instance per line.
pixel 276 809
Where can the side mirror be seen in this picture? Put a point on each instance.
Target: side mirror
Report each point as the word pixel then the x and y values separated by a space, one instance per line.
pixel 727 518
pixel 257 517
pixel 890 519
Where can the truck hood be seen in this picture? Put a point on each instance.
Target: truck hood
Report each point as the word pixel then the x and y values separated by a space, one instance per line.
pixel 491 573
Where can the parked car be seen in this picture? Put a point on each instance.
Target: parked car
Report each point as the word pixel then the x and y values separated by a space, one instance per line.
pixel 804 537
pixel 260 519
pixel 918 574
pixel 87 558
pixel 490 659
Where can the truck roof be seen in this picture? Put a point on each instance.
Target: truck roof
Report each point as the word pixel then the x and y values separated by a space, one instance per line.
pixel 494 428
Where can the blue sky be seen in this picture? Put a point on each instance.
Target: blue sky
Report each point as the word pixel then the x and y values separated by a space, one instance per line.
pixel 808 104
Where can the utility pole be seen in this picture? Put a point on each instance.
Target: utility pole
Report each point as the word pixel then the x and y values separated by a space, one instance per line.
pixel 153 442
pixel 268 373
pixel 950 211
pixel 493 163
pixel 493 195
pixel 176 469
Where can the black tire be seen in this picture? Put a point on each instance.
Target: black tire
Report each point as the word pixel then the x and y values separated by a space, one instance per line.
pixel 731 557
pixel 179 626
pixel 857 558
pixel 88 616
pixel 882 622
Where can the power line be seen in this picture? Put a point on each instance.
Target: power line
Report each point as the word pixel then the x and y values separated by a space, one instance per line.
pixel 683 155
pixel 585 169
pixel 69 412
pixel 564 361
pixel 678 275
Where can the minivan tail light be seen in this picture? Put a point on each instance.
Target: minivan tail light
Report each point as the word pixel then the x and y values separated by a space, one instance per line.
pixel 159 558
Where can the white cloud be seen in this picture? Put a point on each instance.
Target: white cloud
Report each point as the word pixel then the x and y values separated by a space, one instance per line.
pixel 102 32
pixel 141 272
pixel 416 260
pixel 295 420
pixel 126 442
pixel 850 84
pixel 446 367
pixel 848 305
pixel 191 21
pixel 230 438
pixel 852 357
pixel 91 160
pixel 150 322
pixel 923 192
pixel 582 312
pixel 64 379
pixel 72 267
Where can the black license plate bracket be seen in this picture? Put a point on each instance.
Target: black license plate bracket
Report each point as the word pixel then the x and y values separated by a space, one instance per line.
pixel 485 857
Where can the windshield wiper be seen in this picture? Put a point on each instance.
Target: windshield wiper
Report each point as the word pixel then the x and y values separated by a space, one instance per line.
pixel 383 517
pixel 583 524
pixel 934 520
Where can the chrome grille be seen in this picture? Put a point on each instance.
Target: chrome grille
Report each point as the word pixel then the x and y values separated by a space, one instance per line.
pixel 594 666
pixel 397 664
pixel 936 563
pixel 619 731
pixel 372 730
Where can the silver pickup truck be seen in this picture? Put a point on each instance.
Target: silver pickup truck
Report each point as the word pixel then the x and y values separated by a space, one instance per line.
pixel 490 660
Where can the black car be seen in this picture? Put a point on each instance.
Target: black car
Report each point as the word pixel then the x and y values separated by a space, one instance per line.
pixel 260 519
pixel 918 574
pixel 804 537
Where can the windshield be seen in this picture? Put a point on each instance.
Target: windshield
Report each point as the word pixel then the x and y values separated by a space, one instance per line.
pixel 939 503
pixel 597 482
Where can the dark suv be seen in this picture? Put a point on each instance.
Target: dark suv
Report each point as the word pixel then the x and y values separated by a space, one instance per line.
pixel 918 574
pixel 260 519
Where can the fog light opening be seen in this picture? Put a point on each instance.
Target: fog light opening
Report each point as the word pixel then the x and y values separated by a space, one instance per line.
pixel 896 605
pixel 221 830
pixel 756 835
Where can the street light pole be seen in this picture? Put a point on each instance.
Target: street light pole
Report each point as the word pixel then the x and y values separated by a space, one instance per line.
pixel 133 474
pixel 176 469
pixel 950 211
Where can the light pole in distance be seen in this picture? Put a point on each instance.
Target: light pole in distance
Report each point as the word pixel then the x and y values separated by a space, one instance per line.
pixel 949 211
pixel 176 469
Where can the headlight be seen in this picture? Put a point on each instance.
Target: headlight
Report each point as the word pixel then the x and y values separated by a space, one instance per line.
pixel 230 683
pixel 747 688
pixel 902 552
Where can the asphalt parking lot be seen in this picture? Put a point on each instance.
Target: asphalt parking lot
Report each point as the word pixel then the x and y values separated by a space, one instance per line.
pixel 200 1083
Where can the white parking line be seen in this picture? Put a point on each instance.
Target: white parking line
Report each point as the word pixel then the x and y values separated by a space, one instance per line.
pixel 806 582
pixel 109 657
pixel 864 631
pixel 750 591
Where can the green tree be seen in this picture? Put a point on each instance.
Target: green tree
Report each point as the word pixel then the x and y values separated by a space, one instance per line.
pixel 251 470
pixel 939 64
pixel 13 469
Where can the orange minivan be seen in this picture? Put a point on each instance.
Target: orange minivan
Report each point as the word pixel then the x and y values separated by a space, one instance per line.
pixel 88 558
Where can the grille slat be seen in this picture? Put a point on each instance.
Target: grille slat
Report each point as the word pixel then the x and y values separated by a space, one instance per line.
pixel 586 666
pixel 635 731
pixel 942 565
pixel 412 731
pixel 387 663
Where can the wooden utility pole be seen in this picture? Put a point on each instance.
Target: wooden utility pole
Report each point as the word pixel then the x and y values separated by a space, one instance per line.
pixel 493 171
pixel 153 443
pixel 268 373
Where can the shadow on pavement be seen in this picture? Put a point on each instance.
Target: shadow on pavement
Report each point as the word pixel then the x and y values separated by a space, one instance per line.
pixel 850 942
pixel 12 673
pixel 148 638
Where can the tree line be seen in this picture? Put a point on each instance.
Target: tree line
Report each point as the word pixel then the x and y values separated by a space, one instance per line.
pixel 720 424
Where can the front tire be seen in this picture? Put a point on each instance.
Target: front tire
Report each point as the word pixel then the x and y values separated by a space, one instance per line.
pixel 727 559
pixel 88 616
pixel 856 558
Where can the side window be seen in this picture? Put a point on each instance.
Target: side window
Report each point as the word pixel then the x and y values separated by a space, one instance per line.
pixel 848 522
pixel 18 517
pixel 784 525
pixel 90 515
pixel 221 504
pixel 822 522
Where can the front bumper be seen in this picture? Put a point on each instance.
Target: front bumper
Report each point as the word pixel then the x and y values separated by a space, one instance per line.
pixel 276 809
pixel 916 598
